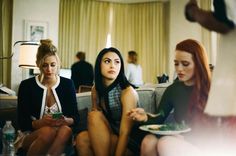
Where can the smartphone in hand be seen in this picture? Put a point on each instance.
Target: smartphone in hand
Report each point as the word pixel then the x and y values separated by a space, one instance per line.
pixel 57 115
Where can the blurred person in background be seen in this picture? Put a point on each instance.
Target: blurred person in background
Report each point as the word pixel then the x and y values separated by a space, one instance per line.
pixel 82 71
pixel 133 70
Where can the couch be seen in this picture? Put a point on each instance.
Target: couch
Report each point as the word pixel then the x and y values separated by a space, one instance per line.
pixel 149 98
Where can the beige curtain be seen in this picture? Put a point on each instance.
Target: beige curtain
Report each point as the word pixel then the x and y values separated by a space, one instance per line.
pixel 85 24
pixel 141 27
pixel 5 41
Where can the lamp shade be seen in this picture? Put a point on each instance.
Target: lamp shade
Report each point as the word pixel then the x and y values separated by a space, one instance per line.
pixel 27 56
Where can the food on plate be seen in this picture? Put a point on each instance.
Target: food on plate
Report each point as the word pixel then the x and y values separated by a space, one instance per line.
pixel 169 127
pixel 154 127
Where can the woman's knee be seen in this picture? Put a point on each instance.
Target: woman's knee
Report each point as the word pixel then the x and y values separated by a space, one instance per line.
pixel 82 142
pixel 95 117
pixel 82 139
pixel 149 140
pixel 164 143
pixel 47 134
pixel 83 145
pixel 64 132
pixel 149 145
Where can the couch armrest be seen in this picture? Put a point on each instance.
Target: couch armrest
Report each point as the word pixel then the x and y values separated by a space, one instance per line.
pixel 8 106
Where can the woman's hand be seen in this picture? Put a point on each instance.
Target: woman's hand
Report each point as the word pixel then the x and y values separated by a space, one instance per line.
pixel 63 121
pixel 47 120
pixel 138 114
pixel 50 121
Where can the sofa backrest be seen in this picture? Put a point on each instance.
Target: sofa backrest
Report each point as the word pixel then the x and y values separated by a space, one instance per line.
pixel 149 98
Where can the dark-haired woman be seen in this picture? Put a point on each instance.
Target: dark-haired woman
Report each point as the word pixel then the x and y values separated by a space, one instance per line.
pixel 110 130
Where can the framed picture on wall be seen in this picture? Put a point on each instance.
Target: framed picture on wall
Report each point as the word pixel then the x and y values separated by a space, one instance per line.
pixel 35 30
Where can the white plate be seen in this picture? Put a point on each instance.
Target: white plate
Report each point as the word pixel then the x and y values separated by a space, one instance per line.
pixel 158 132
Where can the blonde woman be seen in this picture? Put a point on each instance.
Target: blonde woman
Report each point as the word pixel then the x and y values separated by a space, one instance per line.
pixel 41 100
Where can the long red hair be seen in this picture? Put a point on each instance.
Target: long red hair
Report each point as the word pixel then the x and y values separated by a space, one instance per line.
pixel 202 74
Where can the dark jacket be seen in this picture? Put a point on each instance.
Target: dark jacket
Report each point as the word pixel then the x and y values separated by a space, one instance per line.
pixel 82 74
pixel 32 96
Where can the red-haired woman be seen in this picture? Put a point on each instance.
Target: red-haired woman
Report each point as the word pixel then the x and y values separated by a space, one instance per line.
pixel 187 96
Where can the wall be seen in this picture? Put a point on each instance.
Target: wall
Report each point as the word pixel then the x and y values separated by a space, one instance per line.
pixel 31 10
pixel 180 29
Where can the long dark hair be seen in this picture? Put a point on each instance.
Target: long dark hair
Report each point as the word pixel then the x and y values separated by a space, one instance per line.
pixel 202 74
pixel 121 79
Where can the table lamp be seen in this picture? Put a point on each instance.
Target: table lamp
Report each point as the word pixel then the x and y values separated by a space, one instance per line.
pixel 27 55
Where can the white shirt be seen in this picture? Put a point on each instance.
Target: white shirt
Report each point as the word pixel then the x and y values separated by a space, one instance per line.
pixel 134 74
pixel 50 110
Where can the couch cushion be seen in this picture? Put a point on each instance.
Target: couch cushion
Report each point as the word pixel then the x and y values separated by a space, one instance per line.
pixel 8 106
pixel 159 90
pixel 147 99
pixel 84 100
pixel 7 102
pixel 84 105
pixel 83 113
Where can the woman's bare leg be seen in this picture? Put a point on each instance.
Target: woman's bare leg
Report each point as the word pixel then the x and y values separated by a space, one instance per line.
pixel 172 145
pixel 114 140
pixel 99 133
pixel 83 145
pixel 39 141
pixel 63 135
pixel 149 146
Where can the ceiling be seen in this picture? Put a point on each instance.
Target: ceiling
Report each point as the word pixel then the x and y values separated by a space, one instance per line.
pixel 133 1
